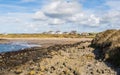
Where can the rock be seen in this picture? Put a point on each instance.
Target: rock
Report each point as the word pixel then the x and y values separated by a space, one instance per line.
pixel 32 72
pixel 65 60
pixel 18 71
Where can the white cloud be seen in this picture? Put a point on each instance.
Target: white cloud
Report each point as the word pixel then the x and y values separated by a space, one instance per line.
pixel 56 21
pixel 113 4
pixel 62 11
pixel 112 16
pixel 62 8
pixel 111 19
pixel 39 15
pixel 15 19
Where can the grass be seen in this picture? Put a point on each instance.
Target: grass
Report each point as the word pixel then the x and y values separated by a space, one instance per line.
pixel 45 36
pixel 109 44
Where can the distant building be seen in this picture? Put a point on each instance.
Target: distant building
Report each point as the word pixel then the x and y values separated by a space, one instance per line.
pixel 44 33
pixel 65 32
pixel 50 32
pixel 73 32
pixel 5 34
pixel 85 34
pixel 58 32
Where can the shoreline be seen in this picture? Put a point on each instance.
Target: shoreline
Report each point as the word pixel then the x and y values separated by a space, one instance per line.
pixel 75 58
pixel 43 38
pixel 45 42
pixel 54 60
pixel 7 57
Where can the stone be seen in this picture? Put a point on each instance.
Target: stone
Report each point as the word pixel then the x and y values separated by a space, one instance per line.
pixel 18 71
pixel 32 72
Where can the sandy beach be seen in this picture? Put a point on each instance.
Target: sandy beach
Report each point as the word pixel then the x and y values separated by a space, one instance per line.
pixel 45 42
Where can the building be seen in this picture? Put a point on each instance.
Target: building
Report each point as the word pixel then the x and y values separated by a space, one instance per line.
pixel 84 34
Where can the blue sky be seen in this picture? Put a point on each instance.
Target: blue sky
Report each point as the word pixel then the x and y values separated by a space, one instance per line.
pixel 36 16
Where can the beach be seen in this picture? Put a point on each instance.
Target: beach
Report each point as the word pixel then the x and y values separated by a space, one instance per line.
pixel 44 42
pixel 59 57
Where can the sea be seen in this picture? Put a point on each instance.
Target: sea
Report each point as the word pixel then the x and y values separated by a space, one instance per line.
pixel 15 46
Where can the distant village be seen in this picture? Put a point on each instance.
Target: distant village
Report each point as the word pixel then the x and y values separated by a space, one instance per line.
pixel 71 33
pixel 55 33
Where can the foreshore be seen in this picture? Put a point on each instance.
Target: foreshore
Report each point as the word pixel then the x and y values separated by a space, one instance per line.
pixel 75 58
pixel 44 42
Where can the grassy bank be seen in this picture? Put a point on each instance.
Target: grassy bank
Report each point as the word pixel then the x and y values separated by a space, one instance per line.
pixel 108 43
pixel 45 36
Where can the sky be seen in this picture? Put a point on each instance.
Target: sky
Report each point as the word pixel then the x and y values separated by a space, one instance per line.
pixel 37 16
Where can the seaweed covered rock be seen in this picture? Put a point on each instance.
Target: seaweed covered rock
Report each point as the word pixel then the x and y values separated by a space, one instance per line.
pixel 108 44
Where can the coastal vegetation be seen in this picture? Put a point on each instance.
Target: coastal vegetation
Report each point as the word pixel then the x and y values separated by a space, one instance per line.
pixel 42 35
pixel 108 44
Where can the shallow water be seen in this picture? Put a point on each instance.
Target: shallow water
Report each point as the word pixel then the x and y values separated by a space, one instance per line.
pixel 15 46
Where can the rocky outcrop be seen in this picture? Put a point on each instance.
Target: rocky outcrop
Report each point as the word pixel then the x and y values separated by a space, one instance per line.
pixel 15 58
pixel 108 44
pixel 68 59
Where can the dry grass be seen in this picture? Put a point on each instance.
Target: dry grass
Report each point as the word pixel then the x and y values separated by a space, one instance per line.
pixel 109 44
pixel 45 36
pixel 102 37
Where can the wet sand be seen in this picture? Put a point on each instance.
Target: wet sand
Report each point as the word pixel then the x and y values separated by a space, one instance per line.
pixel 45 42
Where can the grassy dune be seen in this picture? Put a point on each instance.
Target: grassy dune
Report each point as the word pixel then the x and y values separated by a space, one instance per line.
pixel 108 42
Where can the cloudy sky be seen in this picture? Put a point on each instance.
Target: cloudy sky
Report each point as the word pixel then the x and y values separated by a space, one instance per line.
pixel 35 16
